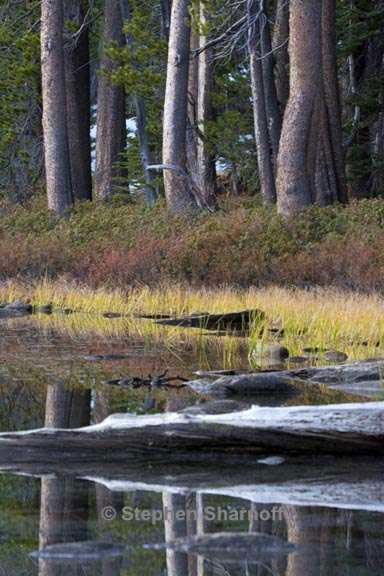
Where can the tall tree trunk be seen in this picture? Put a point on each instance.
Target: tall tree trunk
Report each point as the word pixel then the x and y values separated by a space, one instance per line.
pixel 332 96
pixel 165 6
pixel 205 158
pixel 264 157
pixel 280 52
pixel 57 161
pixel 270 92
pixel 311 160
pixel 192 107
pixel 111 129
pixel 366 67
pixel 150 191
pixel 77 84
pixel 177 181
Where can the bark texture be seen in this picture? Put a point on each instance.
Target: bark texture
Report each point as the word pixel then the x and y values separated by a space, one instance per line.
pixel 311 162
pixel 177 180
pixel 270 91
pixel 356 428
pixel 110 136
pixel 280 50
pixel 264 157
pixel 77 90
pixel 205 157
pixel 57 161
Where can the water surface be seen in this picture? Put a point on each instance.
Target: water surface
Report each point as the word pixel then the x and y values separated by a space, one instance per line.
pixel 331 510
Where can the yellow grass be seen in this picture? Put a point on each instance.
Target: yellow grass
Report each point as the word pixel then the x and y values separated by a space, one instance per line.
pixel 320 318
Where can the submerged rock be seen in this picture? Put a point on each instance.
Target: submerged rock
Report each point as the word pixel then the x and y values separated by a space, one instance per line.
pixel 274 352
pixel 299 359
pixel 359 378
pixel 335 356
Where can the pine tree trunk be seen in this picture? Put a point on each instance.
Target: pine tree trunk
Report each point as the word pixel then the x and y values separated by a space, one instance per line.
pixel 311 158
pixel 264 157
pixel 150 191
pixel 364 159
pixel 57 162
pixel 270 92
pixel 77 84
pixel 177 181
pixel 110 135
pixel 280 52
pixel 332 97
pixel 205 158
pixel 193 97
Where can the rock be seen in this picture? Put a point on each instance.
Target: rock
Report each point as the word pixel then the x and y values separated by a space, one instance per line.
pixel 281 384
pixel 357 378
pixel 299 359
pixel 335 356
pixel 271 351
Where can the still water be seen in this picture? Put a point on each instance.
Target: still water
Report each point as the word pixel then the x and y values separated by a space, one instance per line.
pixel 296 517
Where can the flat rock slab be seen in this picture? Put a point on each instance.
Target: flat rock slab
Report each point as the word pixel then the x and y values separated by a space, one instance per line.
pixel 340 428
pixel 356 377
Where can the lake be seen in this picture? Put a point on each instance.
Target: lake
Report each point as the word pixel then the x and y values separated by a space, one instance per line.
pixel 229 515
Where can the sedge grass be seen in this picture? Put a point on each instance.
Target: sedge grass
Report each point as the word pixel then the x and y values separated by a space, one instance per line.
pixel 324 319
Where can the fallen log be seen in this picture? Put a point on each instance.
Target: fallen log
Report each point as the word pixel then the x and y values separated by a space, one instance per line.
pixel 356 377
pixel 340 428
pixel 232 321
